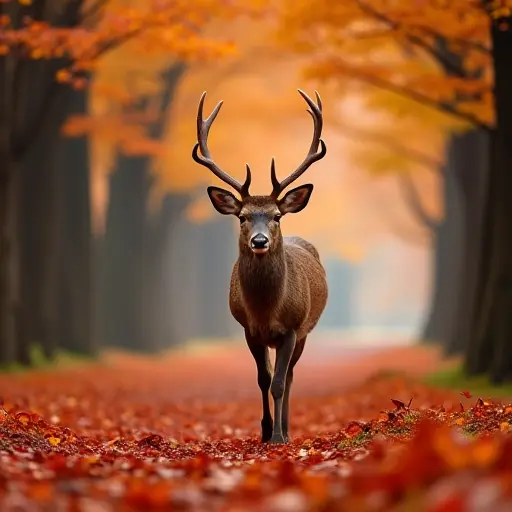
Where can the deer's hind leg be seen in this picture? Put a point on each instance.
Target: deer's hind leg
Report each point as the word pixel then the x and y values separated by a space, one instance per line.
pixel 297 353
pixel 261 355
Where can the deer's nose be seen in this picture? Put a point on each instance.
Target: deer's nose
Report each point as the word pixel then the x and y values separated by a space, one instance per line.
pixel 259 241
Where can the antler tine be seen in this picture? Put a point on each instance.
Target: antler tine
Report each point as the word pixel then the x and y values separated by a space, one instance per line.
pixel 273 176
pixel 244 191
pixel 315 110
pixel 205 158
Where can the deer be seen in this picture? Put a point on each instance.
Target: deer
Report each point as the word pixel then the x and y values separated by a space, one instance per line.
pixel 278 289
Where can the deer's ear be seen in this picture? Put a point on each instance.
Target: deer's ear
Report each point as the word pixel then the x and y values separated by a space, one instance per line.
pixel 224 201
pixel 296 199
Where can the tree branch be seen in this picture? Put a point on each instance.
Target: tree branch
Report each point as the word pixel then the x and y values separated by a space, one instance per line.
pixel 406 235
pixel 416 97
pixel 415 40
pixel 94 10
pixel 115 43
pixel 465 43
pixel 390 143
pixel 413 201
pixel 415 235
pixel 171 78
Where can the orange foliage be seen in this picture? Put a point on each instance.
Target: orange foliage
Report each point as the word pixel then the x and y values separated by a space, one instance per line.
pixel 132 41
pixel 152 32
pixel 422 67
pixel 171 27
pixel 262 116
pixel 396 46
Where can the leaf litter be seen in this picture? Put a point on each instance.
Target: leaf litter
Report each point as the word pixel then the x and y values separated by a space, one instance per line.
pixel 109 443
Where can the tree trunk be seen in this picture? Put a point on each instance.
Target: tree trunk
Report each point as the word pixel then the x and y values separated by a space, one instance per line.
pixel 172 314
pixel 39 216
pixel 187 314
pixel 218 252
pixel 490 350
pixel 447 255
pixel 28 93
pixel 132 284
pixel 159 272
pixel 99 307
pixel 472 150
pixel 9 270
pixel 152 284
pixel 125 245
pixel 188 267
pixel 73 203
pixel 456 258
pixel 120 271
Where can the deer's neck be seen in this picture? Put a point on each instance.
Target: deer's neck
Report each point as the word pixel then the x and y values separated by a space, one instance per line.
pixel 262 279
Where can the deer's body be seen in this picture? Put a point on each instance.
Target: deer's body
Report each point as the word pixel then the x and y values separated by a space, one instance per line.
pixel 278 286
pixel 286 291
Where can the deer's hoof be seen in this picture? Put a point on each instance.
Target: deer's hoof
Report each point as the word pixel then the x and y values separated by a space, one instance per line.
pixel 267 427
pixel 278 439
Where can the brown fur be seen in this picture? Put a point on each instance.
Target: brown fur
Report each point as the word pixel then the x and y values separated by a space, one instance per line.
pixel 283 290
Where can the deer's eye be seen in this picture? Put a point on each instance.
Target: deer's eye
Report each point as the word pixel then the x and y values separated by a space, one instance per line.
pixel 242 219
pixel 277 218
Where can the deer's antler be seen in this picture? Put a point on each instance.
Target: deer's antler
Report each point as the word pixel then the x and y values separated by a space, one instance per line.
pixel 315 109
pixel 203 128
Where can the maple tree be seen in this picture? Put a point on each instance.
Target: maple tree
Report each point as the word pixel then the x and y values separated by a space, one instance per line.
pixel 140 213
pixel 382 51
pixel 404 41
pixel 267 100
pixel 438 57
pixel 65 43
pixel 409 151
pixel 488 348
pixel 399 49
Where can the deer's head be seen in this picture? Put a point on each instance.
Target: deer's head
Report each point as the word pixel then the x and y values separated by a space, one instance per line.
pixel 260 216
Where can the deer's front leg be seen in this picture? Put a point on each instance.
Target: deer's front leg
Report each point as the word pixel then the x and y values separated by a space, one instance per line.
pixel 284 352
pixel 299 347
pixel 261 356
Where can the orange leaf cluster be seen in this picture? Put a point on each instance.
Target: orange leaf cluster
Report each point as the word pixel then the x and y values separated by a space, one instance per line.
pixel 166 31
pixel 172 27
pixel 400 46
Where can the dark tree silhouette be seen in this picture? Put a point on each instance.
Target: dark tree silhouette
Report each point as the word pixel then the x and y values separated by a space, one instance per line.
pixel 39 219
pixel 219 250
pixel 128 246
pixel 470 155
pixel 166 297
pixel 75 238
pixel 490 350
pixel 29 101
pixel 125 245
pixel 186 280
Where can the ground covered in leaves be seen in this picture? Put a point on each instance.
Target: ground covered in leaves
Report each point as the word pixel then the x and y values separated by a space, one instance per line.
pixel 145 435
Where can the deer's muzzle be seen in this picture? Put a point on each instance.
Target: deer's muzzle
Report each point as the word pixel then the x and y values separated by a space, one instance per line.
pixel 260 243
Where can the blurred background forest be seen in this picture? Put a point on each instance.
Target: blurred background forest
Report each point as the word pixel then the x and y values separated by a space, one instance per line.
pixel 108 238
